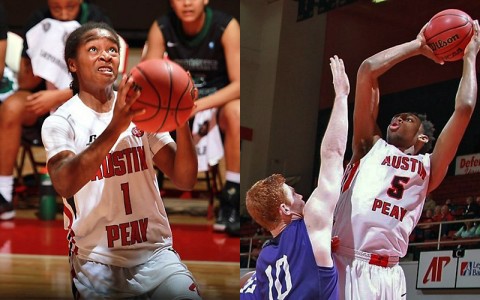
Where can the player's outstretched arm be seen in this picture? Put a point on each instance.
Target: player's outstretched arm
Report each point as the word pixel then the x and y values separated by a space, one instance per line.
pixel 367 95
pixel 318 212
pixel 451 135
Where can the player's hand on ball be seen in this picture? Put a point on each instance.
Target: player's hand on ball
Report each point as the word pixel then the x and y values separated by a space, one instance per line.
pixel 474 44
pixel 123 113
pixel 425 49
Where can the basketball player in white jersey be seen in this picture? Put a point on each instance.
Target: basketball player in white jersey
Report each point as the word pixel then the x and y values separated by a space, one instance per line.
pixel 386 181
pixel 119 236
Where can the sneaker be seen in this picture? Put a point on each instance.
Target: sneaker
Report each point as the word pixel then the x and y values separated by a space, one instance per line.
pixel 233 223
pixel 221 220
pixel 6 209
pixel 229 198
pixel 232 195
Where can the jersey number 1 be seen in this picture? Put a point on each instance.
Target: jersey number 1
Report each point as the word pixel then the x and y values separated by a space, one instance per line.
pixel 126 198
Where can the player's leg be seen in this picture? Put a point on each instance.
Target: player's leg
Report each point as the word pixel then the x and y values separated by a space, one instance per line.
pixel 342 263
pixel 12 117
pixel 367 281
pixel 229 122
pixel 177 283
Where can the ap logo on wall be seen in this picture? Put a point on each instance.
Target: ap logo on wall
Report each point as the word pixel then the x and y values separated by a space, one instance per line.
pixel 449 269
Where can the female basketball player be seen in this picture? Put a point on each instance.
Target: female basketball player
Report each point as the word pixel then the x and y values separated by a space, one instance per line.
pixel 206 42
pixel 386 182
pixel 103 167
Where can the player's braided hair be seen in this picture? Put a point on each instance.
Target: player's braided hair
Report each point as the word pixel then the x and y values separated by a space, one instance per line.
pixel 77 38
pixel 428 130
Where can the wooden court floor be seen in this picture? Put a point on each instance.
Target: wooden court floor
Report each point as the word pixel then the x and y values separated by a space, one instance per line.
pixel 28 270
pixel 47 277
pixel 34 263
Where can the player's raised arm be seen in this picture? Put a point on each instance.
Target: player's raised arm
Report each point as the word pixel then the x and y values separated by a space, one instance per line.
pixel 466 98
pixel 367 94
pixel 319 208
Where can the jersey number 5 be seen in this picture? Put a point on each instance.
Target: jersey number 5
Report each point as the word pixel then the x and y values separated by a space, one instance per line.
pixel 397 187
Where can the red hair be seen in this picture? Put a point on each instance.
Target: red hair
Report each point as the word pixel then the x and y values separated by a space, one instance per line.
pixel 264 199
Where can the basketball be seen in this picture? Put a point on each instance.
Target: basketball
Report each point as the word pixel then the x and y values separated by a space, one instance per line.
pixel 167 95
pixel 448 33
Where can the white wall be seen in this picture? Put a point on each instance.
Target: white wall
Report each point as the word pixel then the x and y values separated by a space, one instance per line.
pixel 281 62
pixel 410 270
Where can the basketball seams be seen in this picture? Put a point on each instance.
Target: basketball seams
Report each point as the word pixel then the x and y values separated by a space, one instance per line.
pixel 177 108
pixel 169 72
pixel 159 97
pixel 163 112
pixel 461 42
pixel 149 82
pixel 450 29
pixel 448 33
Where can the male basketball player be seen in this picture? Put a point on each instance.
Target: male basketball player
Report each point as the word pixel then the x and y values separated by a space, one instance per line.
pixel 297 263
pixel 386 181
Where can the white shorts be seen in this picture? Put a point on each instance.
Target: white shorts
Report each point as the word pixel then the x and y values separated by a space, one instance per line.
pixel 164 276
pixel 365 277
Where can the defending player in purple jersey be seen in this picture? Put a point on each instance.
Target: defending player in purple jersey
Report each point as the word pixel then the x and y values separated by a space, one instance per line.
pixel 297 263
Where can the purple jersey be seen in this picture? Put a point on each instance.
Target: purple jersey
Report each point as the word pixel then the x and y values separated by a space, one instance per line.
pixel 286 269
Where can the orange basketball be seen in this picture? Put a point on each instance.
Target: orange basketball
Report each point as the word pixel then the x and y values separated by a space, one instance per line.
pixel 167 94
pixel 448 33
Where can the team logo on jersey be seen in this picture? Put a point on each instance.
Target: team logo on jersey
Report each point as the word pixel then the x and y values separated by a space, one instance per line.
pixel 137 132
pixel 91 139
pixel 46 26
pixel 193 288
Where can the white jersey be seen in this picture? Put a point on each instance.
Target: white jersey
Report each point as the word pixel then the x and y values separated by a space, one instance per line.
pixel 381 200
pixel 118 217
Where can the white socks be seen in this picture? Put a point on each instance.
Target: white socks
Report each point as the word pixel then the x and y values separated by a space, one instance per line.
pixel 232 176
pixel 6 187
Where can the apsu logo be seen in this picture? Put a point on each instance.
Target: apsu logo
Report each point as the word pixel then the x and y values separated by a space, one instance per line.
pixel 435 269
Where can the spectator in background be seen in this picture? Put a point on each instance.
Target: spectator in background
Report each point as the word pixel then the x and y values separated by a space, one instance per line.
pixel 429 203
pixel 206 42
pixel 6 88
pixel 452 208
pixel 424 231
pixel 472 209
pixel 467 230
pixel 444 215
pixel 8 81
pixel 36 97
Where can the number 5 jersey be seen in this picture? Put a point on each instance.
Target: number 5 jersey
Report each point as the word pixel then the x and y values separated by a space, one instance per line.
pixel 381 200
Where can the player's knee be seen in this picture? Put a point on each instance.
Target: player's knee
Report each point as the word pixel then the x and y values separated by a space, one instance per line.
pixel 179 286
pixel 13 106
pixel 230 116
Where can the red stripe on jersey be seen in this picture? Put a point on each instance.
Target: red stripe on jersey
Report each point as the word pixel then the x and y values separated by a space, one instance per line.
pixel 349 174
pixel 69 215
